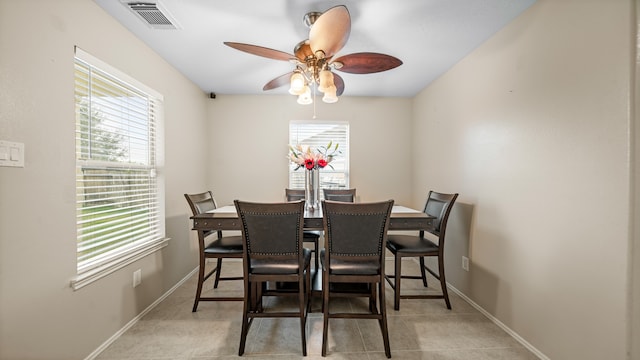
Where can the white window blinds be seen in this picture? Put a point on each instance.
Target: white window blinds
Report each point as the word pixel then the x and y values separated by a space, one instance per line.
pixel 119 200
pixel 317 134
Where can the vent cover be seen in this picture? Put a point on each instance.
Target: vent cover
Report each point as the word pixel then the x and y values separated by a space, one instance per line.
pixel 153 15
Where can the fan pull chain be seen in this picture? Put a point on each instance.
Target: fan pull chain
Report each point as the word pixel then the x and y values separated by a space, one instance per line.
pixel 314 100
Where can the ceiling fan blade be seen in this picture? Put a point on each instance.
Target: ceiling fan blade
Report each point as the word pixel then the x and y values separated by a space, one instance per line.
pixel 261 51
pixel 367 63
pixel 339 83
pixel 281 80
pixel 330 31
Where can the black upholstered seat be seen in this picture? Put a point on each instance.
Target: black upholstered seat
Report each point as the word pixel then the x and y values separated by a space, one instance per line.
pixel 354 266
pixel 268 266
pixel 273 254
pixel 409 244
pixel 353 258
pixel 218 247
pixel 438 205
pixel 225 245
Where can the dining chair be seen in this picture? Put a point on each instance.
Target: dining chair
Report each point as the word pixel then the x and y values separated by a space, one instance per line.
pixel 221 247
pixel 438 205
pixel 273 255
pixel 344 195
pixel 355 237
pixel 310 236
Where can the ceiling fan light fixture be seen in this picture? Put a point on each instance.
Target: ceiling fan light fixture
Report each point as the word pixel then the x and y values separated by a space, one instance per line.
pixel 326 80
pixel 330 96
pixel 297 84
pixel 305 97
pixel 314 61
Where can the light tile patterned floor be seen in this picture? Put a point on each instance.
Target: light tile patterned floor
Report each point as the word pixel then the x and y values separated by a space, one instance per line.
pixel 422 329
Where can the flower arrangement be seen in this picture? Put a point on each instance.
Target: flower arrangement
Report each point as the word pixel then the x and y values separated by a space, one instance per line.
pixel 304 157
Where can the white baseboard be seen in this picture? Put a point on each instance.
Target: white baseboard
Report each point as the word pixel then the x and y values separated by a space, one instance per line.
pixel 133 321
pixel 500 324
pixel 493 319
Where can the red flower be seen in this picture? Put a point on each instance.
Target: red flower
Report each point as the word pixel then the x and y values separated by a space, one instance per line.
pixel 308 163
pixel 303 156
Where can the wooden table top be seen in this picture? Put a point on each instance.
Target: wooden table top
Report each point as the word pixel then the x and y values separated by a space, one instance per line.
pixel 226 218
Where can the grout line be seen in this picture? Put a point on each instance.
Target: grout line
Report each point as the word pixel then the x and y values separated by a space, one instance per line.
pixel 500 324
pixel 133 321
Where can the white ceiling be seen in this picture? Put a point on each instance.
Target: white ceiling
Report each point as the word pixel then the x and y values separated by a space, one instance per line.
pixel 429 36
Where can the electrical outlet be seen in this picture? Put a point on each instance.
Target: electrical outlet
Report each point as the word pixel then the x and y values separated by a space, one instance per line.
pixel 137 277
pixel 465 263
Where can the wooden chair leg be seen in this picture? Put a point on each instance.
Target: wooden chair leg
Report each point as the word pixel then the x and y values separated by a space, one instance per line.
pixel 423 272
pixel 219 267
pixel 199 289
pixel 383 320
pixel 443 282
pixel 245 320
pixel 397 275
pixel 315 254
pixel 372 300
pixel 325 307
pixel 308 290
pixel 303 307
pixel 255 299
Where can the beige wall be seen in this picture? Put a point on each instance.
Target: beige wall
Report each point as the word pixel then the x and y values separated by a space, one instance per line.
pixel 249 145
pixel 41 317
pixel 532 129
pixel 634 333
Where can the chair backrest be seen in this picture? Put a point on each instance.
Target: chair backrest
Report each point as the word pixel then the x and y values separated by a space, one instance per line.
pixel 343 195
pixel 294 194
pixel 356 230
pixel 201 203
pixel 271 231
pixel 439 205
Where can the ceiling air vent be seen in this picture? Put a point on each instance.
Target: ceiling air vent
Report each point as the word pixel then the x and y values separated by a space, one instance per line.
pixel 153 15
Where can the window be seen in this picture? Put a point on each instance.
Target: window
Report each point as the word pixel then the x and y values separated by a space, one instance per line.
pixel 119 195
pixel 316 134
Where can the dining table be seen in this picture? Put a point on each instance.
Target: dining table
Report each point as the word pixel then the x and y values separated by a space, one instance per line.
pixel 226 218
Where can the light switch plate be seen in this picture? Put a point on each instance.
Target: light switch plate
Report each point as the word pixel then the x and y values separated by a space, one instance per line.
pixel 11 154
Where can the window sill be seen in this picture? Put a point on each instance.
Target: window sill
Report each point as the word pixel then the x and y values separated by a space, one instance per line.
pixel 97 273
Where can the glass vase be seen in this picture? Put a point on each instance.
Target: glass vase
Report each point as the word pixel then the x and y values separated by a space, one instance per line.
pixel 312 188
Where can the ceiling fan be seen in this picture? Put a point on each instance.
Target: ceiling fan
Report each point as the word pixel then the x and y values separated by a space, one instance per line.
pixel 313 58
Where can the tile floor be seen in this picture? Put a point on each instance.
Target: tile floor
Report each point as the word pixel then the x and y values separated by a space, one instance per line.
pixel 422 329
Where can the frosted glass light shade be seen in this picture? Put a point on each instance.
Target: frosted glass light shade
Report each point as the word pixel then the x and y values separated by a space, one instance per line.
pixel 330 96
pixel 305 97
pixel 326 80
pixel 297 84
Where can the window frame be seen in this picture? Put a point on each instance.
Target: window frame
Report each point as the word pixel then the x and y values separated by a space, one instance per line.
pixel 90 270
pixel 343 158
